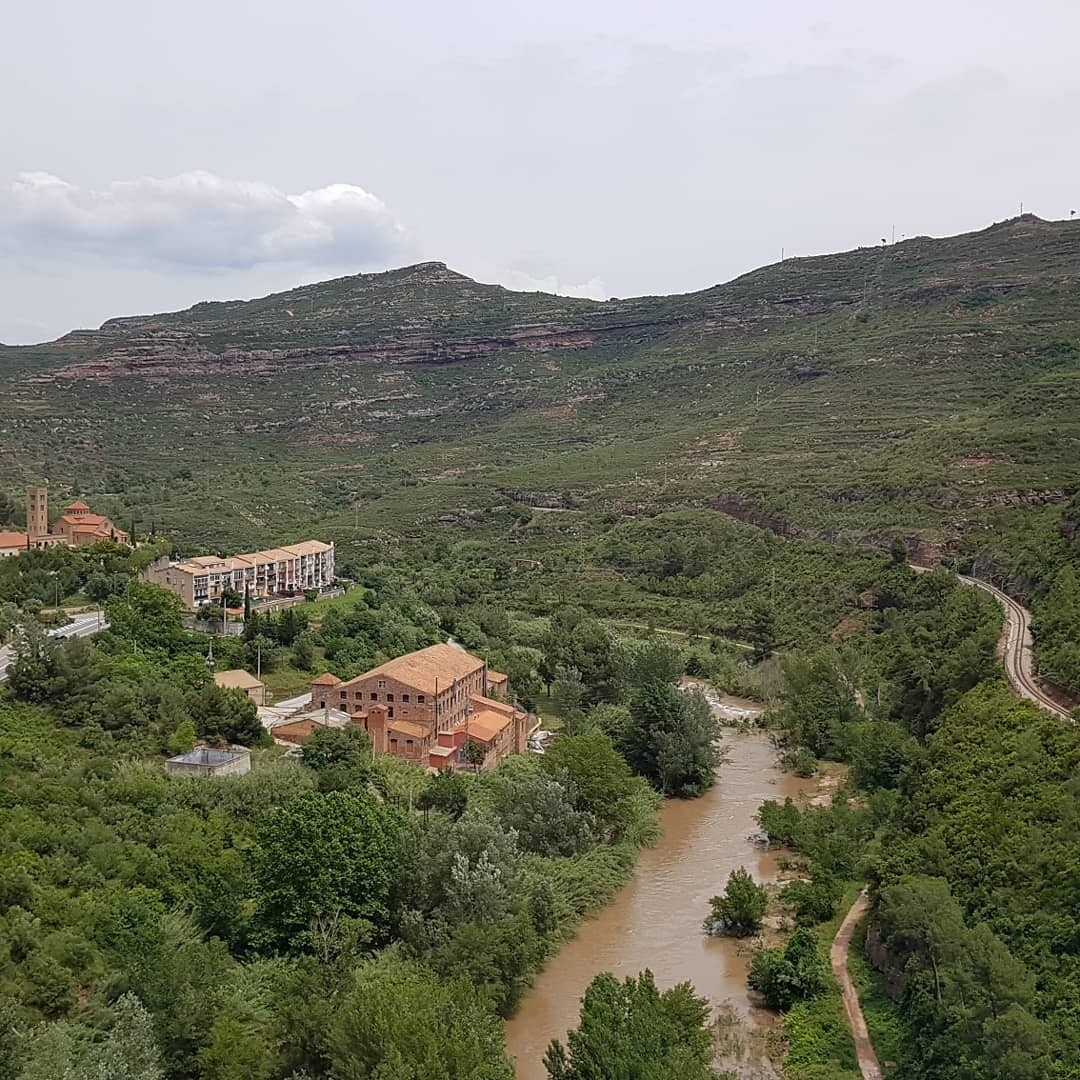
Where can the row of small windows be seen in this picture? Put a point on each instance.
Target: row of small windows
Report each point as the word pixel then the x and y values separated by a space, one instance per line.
pixel 421 699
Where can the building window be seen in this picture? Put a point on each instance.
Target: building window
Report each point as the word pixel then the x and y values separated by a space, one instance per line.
pixel 420 699
pixel 382 684
pixel 408 742
pixel 389 697
pixel 393 744
pixel 344 694
pixel 374 696
pixel 390 713
pixel 404 699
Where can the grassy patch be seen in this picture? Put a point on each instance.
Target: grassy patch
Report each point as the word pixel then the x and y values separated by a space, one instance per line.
pixel 287 682
pixel 884 1018
pixel 819 1043
pixel 820 1046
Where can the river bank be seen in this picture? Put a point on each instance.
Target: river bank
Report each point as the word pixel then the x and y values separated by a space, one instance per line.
pixel 655 920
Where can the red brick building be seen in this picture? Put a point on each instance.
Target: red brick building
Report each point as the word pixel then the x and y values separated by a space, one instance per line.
pixel 77 526
pixel 426 706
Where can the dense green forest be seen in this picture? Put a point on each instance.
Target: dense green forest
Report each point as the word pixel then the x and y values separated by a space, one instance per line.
pixel 173 927
pixel 155 927
pixel 962 813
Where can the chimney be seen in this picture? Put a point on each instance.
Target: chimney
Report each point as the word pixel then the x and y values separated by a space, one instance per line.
pixel 376 727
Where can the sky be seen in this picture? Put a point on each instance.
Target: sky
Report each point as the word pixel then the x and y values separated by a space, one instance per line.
pixel 156 155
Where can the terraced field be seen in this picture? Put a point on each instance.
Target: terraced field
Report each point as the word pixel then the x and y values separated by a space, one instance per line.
pixel 915 389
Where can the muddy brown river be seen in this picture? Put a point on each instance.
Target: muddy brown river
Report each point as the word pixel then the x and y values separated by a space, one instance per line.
pixel 655 921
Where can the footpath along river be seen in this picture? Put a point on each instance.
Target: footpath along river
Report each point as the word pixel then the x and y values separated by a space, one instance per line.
pixel 655 920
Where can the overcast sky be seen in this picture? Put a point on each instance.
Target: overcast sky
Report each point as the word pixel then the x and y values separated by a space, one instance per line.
pixel 155 155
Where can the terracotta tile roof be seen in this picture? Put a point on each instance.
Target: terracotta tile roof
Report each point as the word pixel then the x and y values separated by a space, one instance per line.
pixel 77 505
pixel 407 727
pixel 203 560
pixel 237 679
pixel 296 732
pixel 278 555
pixel 423 669
pixel 497 677
pixel 201 563
pixel 13 539
pixel 481 702
pixel 325 679
pixel 484 724
pixel 487 719
pixel 443 751
pixel 307 547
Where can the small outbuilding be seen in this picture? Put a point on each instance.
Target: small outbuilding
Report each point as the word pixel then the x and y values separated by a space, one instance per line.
pixel 238 679
pixel 208 761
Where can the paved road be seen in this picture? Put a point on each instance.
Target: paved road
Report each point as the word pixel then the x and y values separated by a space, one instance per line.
pixel 1017 650
pixel 89 622
pixel 838 954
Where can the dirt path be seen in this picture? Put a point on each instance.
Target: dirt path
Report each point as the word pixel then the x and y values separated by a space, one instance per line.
pixel 1016 650
pixel 838 954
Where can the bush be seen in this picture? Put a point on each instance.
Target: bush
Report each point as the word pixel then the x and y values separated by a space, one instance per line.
pixel 814 901
pixel 794 972
pixel 740 910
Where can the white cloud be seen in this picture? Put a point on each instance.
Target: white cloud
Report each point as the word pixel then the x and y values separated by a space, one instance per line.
pixel 201 220
pixel 513 277
pixel 593 289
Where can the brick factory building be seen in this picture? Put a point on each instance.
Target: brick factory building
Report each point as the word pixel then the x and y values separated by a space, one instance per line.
pixel 428 707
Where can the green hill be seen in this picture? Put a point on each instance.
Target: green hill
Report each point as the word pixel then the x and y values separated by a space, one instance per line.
pixel 922 388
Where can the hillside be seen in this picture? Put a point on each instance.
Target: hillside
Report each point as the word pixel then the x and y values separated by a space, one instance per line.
pixel 918 388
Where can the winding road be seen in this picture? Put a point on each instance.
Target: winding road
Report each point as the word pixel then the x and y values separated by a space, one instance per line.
pixel 1016 648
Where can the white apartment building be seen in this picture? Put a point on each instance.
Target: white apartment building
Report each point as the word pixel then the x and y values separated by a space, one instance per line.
pixel 281 571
